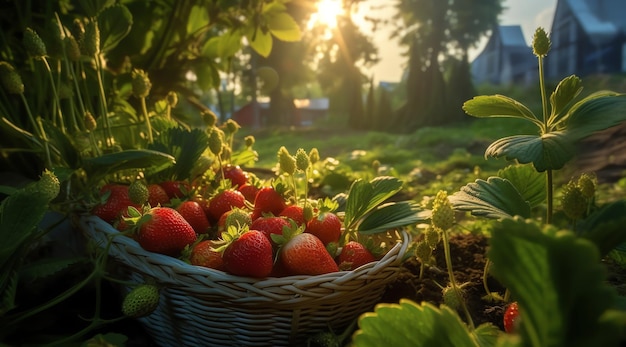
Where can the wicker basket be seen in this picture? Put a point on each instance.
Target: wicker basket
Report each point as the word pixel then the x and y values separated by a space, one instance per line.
pixel 205 307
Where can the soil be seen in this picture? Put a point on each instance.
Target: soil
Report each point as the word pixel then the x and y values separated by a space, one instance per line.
pixel 468 263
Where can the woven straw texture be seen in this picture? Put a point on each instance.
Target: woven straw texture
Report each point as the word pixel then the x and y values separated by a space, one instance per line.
pixel 205 307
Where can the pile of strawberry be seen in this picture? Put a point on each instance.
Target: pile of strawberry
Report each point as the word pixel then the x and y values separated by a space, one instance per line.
pixel 241 226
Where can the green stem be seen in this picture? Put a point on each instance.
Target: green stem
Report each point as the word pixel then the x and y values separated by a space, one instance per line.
pixel 57 102
pixel 144 109
pixel 108 140
pixel 38 127
pixel 446 248
pixel 544 104
pixel 485 274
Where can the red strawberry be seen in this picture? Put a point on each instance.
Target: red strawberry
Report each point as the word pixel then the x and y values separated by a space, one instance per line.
pixel 304 254
pixel 270 225
pixel 267 201
pixel 353 255
pixel 224 201
pixel 249 191
pixel 326 226
pixel 166 232
pixel 511 318
pixel 235 174
pixel 203 254
pixel 176 189
pixel 194 215
pixel 116 203
pixel 249 254
pixel 157 195
pixel 295 213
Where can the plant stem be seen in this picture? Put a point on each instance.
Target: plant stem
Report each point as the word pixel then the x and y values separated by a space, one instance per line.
pixel 544 104
pixel 38 127
pixel 446 248
pixel 57 102
pixel 144 109
pixel 108 140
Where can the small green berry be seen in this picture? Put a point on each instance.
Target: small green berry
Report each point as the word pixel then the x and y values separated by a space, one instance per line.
pixel 541 43
pixel 432 237
pixel 573 201
pixel 286 162
pixel 141 301
pixel 451 297
pixel 302 160
pixel 138 192
pixel 216 140
pixel 376 166
pixel 249 140
pixel 10 79
pixel 49 185
pixel 442 212
pixel 232 126
pixel 34 44
pixel 314 155
pixel 141 83
pixel 91 43
pixel 209 118
pixel 71 48
pixel 78 30
pixel 423 252
pixel 172 99
pixel 587 183
pixel 237 217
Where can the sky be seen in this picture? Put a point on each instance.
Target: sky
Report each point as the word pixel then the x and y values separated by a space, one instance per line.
pixel 530 14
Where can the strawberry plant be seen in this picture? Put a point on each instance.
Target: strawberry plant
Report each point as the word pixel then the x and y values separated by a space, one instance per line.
pixel 551 267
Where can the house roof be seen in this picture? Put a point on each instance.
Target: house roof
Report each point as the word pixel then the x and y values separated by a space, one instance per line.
pixel 602 20
pixel 512 36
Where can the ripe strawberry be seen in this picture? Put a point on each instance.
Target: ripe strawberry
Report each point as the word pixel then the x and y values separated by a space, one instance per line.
pixel 353 255
pixel 249 191
pixel 249 253
pixel 235 174
pixel 176 189
pixel 270 225
pixel 166 232
pixel 157 195
pixel 295 213
pixel 194 215
pixel 203 254
pixel 511 318
pixel 267 201
pixel 224 201
pixel 116 203
pixel 141 301
pixel 305 254
pixel 326 226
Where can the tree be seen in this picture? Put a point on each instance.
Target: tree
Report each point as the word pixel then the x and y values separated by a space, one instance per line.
pixel 438 33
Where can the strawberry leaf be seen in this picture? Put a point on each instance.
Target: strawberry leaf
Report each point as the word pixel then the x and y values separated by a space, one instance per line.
pixel 528 182
pixel 392 216
pixel 364 196
pixel 494 198
pixel 598 111
pixel 492 106
pixel 559 283
pixel 114 23
pixel 389 325
pixel 563 95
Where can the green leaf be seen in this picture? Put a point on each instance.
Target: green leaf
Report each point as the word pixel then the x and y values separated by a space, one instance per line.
pixel 260 41
pixel 596 112
pixel 391 216
pixel 92 7
pixel 47 267
pixel 411 324
pixel 197 20
pixel 528 182
pixel 186 146
pixel 114 23
pixel 491 106
pixel 563 95
pixel 494 198
pixel 151 161
pixel 365 196
pixel 284 27
pixel 605 227
pixel 549 151
pixel 559 283
pixel 8 289
pixel 208 76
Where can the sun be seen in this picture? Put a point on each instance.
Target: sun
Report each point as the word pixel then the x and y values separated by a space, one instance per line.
pixel 327 12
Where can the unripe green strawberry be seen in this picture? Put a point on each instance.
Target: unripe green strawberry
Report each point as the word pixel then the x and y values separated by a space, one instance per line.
pixel 442 212
pixel 34 44
pixel 451 297
pixel 541 43
pixel 49 185
pixel 216 140
pixel 432 237
pixel 573 201
pixel 172 99
pixel 286 162
pixel 307 212
pixel 140 83
pixel 375 166
pixel 91 42
pixel 237 217
pixel 587 185
pixel 314 156
pixel 141 301
pixel 423 252
pixel 138 192
pixel 71 48
pixel 209 118
pixel 10 79
pixel 232 126
pixel 78 30
pixel 302 160
pixel 90 122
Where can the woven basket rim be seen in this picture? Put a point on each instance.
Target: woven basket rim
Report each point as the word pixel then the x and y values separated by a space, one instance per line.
pixel 99 230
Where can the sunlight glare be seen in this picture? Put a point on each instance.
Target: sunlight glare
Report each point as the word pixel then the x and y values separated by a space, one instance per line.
pixel 327 12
